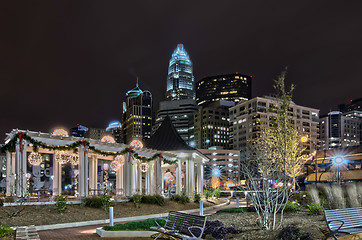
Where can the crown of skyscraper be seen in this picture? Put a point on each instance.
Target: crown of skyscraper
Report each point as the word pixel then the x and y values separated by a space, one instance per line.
pixel 181 55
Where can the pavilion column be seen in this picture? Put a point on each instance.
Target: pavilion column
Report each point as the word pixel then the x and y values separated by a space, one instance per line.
pixel 119 181
pixel 24 164
pixel 20 169
pixel 158 175
pixel 148 185
pixel 83 172
pixel 93 174
pixel 152 182
pixel 57 177
pixel 128 183
pixel 86 173
pixel 200 178
pixel 179 177
pixel 139 179
pixel 17 169
pixel 9 174
pixel 192 176
pixel 134 177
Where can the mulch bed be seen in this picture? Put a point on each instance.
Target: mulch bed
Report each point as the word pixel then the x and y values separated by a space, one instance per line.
pixel 248 223
pixel 47 214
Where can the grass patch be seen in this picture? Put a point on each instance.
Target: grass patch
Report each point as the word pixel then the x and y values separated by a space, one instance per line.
pixel 232 210
pixel 140 225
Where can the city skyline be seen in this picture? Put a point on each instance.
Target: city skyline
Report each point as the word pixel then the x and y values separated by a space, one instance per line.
pixel 62 64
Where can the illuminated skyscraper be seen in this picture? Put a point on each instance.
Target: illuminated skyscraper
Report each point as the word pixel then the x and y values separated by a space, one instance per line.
pixel 180 80
pixel 137 115
pixel 230 87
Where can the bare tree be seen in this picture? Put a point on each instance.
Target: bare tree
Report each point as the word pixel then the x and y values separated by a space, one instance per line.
pixel 274 160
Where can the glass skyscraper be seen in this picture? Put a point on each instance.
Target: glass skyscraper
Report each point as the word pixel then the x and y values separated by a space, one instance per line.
pixel 180 80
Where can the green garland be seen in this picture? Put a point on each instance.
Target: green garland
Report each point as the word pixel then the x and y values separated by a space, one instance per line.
pixel 10 147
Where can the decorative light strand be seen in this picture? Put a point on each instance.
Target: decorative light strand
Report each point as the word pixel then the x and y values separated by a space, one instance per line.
pixel 35 159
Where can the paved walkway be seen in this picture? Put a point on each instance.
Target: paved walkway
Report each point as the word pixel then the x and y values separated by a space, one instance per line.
pixel 89 232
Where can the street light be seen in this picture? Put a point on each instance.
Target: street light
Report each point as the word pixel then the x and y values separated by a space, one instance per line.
pixel 338 160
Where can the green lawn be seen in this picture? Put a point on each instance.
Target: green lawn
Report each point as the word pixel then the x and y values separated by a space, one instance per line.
pixel 140 225
pixel 232 210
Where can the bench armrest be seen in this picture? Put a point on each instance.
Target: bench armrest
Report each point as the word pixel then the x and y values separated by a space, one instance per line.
pixel 158 225
pixel 201 229
pixel 335 221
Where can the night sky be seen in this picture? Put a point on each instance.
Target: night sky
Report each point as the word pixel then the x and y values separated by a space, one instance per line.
pixel 63 63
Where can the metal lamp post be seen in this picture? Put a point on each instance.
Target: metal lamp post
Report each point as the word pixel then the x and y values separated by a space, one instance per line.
pixel 338 161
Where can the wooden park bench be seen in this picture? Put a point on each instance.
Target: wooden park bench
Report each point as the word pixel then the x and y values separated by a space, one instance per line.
pixel 181 225
pixel 346 220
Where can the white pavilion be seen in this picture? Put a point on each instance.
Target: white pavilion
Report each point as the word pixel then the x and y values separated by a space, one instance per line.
pixel 85 167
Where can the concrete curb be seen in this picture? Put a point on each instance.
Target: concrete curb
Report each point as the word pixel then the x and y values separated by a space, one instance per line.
pixel 118 234
pixel 117 220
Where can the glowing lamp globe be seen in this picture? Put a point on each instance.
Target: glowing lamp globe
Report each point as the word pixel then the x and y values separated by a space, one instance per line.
pixel 304 139
pixel 120 159
pixel 73 159
pixel 136 144
pixel 108 139
pixel 60 132
pixel 61 157
pixel 338 160
pixel 115 165
pixel 35 159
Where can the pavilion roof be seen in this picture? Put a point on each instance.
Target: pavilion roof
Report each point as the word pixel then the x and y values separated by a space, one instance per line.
pixel 166 138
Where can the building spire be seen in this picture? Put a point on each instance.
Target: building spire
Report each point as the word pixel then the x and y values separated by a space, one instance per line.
pixel 137 83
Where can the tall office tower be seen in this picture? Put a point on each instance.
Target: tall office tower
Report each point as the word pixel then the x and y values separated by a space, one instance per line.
pixel 231 87
pixel 339 129
pixel 247 118
pixel 137 115
pixel 181 114
pixel 212 125
pixel 116 129
pixel 180 80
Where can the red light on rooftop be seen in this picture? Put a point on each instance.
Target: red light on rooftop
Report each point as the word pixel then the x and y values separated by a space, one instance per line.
pixel 350 100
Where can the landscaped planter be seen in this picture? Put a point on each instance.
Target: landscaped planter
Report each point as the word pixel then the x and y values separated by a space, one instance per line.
pixel 114 234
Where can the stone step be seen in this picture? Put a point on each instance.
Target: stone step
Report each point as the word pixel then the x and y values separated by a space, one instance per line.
pixel 27 233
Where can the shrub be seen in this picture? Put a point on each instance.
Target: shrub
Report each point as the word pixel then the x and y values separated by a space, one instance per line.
pixel 292 206
pixel 61 203
pixel 232 210
pixel 159 200
pixel 217 193
pixel 184 198
pixel 175 197
pixel 93 202
pixel 155 199
pixel 5 230
pixel 106 201
pixel 149 199
pixel 217 229
pixel 137 199
pixel 306 236
pixel 289 233
pixel 9 200
pixel 197 198
pixel 315 209
pixel 208 194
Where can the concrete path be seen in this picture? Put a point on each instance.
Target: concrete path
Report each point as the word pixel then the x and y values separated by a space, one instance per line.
pixel 89 232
